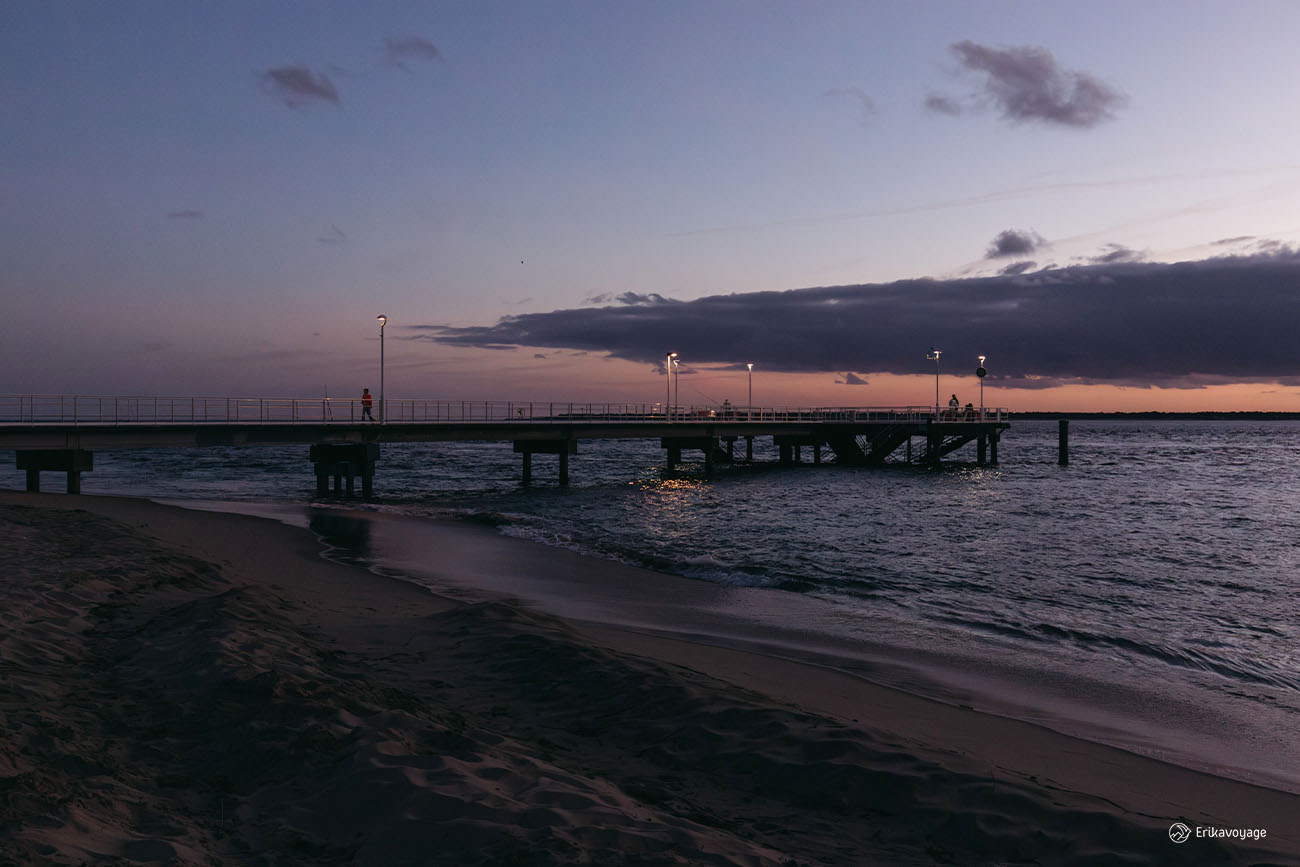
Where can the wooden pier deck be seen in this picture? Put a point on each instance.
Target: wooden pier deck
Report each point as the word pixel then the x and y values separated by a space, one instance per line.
pixel 60 433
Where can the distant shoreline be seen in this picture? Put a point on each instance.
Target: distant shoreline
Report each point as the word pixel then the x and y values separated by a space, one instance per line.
pixel 1160 416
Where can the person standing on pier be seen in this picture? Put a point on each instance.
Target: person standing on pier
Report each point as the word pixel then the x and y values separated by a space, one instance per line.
pixel 367 402
pixel 953 406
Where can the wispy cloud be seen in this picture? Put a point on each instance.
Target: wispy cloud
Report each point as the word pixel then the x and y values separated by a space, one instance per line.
pixel 1014 242
pixel 939 103
pixel 1018 268
pixel 1182 324
pixel 297 86
pixel 398 50
pixel 1027 85
pixel 858 96
pixel 333 235
pixel 1009 194
pixel 185 215
pixel 1115 253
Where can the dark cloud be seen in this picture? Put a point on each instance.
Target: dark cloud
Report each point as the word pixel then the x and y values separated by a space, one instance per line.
pixel 334 235
pixel 1115 253
pixel 1017 268
pixel 399 49
pixel 1271 248
pixel 539 355
pixel 1026 84
pixel 1014 242
pixel 297 86
pixel 1184 324
pixel 857 95
pixel 851 378
pixel 629 299
pixel 938 103
pixel 185 215
pixel 1237 240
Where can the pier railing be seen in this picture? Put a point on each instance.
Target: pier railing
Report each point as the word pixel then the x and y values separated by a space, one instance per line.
pixel 43 409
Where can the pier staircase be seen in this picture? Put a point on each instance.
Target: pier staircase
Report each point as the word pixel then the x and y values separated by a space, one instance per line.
pixel 869 449
pixel 943 445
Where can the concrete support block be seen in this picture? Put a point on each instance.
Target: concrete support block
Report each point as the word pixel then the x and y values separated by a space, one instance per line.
pixel 71 461
pixel 562 447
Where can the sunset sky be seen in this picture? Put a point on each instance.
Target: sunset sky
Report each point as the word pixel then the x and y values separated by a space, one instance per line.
pixel 545 197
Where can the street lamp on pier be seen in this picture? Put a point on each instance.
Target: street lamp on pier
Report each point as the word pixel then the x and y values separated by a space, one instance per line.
pixel 383 320
pixel 668 385
pixel 981 373
pixel 933 355
pixel 749 414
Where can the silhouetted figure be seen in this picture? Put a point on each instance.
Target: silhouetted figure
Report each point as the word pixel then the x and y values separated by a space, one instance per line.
pixel 970 412
pixel 367 402
pixel 953 406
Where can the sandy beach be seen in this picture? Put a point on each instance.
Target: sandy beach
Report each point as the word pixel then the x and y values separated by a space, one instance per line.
pixel 184 687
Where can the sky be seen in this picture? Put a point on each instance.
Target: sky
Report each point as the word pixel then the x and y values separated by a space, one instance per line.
pixel 547 197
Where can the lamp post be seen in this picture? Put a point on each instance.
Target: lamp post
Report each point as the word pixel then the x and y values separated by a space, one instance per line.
pixel 981 373
pixel 749 414
pixel 668 385
pixel 677 378
pixel 383 320
pixel 933 355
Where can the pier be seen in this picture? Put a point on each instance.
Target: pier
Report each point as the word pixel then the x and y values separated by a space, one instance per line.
pixel 59 433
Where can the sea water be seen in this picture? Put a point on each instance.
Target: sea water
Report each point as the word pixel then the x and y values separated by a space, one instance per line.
pixel 1147 595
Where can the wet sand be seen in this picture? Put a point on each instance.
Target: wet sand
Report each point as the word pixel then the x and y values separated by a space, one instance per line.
pixel 203 688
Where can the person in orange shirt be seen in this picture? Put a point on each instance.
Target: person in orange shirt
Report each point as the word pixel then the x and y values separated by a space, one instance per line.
pixel 367 402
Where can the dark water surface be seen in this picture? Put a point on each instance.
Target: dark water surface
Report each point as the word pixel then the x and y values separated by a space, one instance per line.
pixel 1147 595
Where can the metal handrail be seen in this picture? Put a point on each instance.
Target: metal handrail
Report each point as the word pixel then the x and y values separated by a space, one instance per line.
pixel 125 410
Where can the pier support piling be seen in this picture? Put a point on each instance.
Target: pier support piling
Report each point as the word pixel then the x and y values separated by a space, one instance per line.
pixel 982 449
pixel 710 445
pixel 343 462
pixel 749 449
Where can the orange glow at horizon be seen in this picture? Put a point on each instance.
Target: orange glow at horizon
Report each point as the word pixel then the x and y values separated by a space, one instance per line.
pixel 462 374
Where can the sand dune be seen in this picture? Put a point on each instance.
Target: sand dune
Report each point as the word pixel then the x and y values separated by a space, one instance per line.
pixel 196 688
